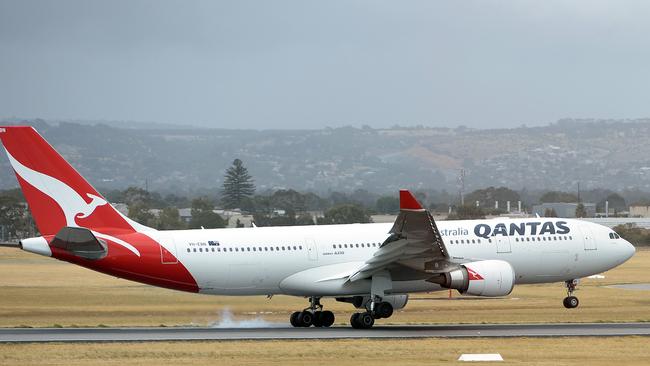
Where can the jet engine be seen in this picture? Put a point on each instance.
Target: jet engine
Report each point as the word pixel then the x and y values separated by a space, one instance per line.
pixel 481 278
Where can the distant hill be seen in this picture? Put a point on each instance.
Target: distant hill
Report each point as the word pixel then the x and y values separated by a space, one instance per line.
pixel 611 154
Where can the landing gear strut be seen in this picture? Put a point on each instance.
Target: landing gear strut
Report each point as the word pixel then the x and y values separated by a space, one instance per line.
pixel 375 307
pixel 571 301
pixel 313 315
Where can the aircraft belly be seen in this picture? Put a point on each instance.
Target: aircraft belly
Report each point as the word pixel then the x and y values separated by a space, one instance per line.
pixel 332 280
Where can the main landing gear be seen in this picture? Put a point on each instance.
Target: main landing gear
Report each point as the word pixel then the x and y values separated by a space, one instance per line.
pixel 313 315
pixel 375 307
pixel 571 301
pixel 375 310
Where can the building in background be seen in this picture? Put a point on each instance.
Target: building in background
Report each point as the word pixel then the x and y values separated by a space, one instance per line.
pixel 639 211
pixel 563 209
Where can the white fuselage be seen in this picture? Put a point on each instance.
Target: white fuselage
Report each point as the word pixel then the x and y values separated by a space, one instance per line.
pixel 314 260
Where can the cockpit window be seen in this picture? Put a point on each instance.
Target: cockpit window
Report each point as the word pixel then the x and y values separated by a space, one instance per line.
pixel 614 236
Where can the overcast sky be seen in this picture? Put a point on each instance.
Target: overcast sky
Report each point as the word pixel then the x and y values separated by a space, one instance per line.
pixel 308 64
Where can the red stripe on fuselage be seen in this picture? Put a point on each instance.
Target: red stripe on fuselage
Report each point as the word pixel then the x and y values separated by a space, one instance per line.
pixel 147 268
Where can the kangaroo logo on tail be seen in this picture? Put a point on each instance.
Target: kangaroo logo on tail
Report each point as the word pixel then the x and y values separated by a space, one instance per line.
pixel 72 204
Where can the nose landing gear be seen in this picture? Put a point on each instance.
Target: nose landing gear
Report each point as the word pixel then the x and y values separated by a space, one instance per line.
pixel 571 301
pixel 313 315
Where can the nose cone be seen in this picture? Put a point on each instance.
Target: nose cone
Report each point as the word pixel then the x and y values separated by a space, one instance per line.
pixel 627 251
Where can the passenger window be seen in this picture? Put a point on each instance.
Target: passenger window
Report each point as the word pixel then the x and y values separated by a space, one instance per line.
pixel 188 250
pixel 357 245
pixel 300 247
pixel 283 248
pixel 212 250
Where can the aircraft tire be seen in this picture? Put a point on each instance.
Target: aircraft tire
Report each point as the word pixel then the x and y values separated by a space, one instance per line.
pixel 306 319
pixel 293 319
pixel 327 319
pixel 366 320
pixel 354 321
pixel 318 319
pixel 383 310
pixel 572 302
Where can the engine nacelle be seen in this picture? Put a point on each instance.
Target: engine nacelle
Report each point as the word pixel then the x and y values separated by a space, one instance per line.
pixel 397 301
pixel 482 278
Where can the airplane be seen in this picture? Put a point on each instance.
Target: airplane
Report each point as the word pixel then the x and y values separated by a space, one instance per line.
pixel 372 266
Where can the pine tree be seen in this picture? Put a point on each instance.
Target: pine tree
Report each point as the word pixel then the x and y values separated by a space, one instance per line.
pixel 237 185
pixel 581 211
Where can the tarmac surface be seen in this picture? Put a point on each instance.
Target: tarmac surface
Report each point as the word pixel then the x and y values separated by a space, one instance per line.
pixel 412 331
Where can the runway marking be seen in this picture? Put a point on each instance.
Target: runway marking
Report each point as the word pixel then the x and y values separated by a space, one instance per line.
pixel 632 286
pixel 416 331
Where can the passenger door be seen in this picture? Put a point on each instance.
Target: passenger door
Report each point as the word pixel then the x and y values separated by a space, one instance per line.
pixel 312 249
pixel 588 237
pixel 503 244
pixel 168 253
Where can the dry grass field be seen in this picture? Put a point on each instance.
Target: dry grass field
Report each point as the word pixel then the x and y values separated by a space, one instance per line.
pixel 354 352
pixel 37 291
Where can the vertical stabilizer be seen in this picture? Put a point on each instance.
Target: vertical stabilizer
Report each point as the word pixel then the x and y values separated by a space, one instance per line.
pixel 56 193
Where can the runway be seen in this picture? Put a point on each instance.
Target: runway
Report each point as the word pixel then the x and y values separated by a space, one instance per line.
pixel 414 331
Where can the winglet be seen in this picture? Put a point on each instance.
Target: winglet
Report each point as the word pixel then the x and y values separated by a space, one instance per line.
pixel 407 201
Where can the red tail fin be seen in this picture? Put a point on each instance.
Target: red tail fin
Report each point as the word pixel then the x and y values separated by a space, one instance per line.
pixel 407 201
pixel 57 194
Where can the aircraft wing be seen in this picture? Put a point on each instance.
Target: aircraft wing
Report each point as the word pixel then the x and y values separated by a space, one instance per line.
pixel 414 247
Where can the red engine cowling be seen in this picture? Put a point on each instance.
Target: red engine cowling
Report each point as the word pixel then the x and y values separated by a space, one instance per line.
pixel 482 278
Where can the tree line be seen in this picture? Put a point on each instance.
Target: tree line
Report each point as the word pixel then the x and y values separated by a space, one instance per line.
pixel 285 207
